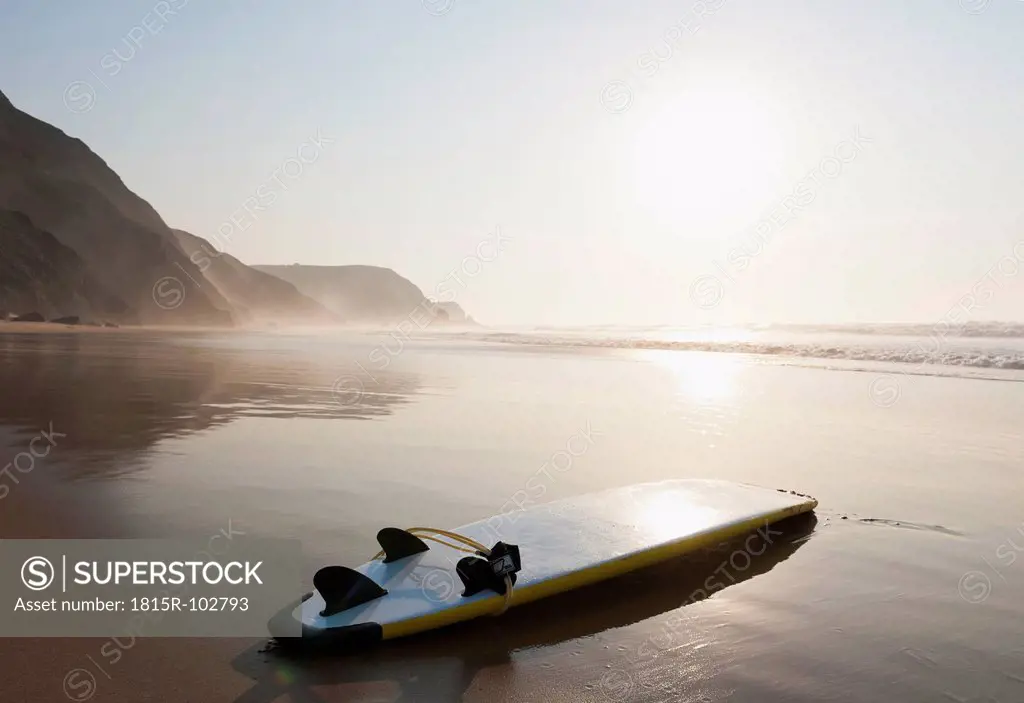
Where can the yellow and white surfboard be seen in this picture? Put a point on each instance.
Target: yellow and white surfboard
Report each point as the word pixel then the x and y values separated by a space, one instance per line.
pixel 562 545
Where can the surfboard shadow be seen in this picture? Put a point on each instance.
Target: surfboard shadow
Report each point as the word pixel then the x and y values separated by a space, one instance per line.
pixel 412 666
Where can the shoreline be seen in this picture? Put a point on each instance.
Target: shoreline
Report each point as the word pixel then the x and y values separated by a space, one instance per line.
pixel 24 327
pixel 7 326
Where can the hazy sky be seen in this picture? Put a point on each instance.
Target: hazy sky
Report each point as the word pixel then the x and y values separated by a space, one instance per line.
pixel 622 171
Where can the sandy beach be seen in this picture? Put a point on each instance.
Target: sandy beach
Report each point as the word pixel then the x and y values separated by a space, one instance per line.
pixel 905 586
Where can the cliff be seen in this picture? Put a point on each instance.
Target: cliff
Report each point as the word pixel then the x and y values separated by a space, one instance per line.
pixel 456 315
pixel 39 274
pixel 77 241
pixel 67 190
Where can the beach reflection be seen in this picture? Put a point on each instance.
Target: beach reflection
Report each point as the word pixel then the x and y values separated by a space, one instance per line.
pixel 117 394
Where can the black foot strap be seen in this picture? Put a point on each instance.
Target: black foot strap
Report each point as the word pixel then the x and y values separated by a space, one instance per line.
pixel 399 544
pixel 342 588
pixel 488 573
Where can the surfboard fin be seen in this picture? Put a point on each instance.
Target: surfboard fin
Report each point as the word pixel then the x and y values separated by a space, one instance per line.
pixel 479 573
pixel 399 544
pixel 343 588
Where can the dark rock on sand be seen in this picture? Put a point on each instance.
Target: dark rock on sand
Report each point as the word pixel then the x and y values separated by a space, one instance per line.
pixel 29 317
pixel 68 320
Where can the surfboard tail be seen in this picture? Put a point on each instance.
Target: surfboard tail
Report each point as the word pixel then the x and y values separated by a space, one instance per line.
pixel 343 588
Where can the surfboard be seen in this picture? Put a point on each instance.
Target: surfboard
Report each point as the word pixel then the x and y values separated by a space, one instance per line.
pixel 561 545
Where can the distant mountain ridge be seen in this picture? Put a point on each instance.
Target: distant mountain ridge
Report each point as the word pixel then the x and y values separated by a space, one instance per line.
pixel 75 240
pixel 365 294
pixel 254 295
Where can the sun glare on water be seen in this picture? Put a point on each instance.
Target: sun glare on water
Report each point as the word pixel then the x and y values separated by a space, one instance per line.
pixel 702 378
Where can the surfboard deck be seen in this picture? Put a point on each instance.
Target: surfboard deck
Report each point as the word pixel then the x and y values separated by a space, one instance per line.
pixel 564 545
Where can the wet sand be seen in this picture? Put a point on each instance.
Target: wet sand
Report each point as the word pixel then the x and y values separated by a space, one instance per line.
pixel 907 586
pixel 38 668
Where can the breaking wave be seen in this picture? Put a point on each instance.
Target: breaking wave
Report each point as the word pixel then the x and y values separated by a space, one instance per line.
pixel 912 345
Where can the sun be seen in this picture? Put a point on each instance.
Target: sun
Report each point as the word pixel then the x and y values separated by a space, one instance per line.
pixel 711 156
